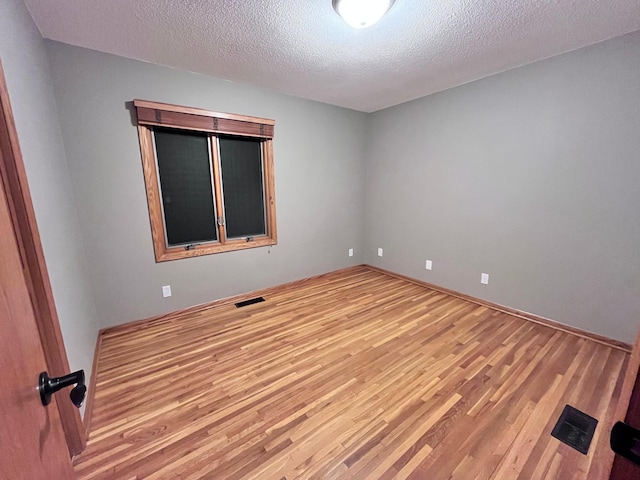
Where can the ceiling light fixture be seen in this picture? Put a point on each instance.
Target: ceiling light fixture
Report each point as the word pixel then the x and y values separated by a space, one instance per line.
pixel 362 13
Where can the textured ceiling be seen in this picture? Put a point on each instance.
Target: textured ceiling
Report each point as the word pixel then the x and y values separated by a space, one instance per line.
pixel 303 48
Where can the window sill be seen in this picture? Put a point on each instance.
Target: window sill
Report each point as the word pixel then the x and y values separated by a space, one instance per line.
pixel 175 253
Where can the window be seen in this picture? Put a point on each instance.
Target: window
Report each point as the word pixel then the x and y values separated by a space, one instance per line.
pixel 209 180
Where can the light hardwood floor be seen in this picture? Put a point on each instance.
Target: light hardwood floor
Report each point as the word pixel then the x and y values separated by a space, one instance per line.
pixel 354 374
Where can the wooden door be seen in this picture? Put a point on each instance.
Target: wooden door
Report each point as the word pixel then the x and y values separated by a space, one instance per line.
pixel 32 441
pixel 629 411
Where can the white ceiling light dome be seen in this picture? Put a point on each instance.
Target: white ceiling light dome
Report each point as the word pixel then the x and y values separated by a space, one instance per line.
pixel 362 13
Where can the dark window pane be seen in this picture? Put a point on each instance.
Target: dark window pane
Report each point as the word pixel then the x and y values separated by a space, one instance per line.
pixel 185 180
pixel 241 163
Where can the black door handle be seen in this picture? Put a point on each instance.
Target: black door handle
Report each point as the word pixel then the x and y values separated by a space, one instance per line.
pixel 625 441
pixel 48 386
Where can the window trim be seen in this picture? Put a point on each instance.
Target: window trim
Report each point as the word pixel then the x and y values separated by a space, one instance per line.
pixel 150 114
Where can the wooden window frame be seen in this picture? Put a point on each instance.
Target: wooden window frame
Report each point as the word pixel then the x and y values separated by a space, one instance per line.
pixel 155 114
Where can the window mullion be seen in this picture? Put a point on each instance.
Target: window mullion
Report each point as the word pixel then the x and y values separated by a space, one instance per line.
pixel 217 179
pixel 268 185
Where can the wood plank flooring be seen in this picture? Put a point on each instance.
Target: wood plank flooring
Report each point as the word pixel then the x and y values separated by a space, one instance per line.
pixel 352 375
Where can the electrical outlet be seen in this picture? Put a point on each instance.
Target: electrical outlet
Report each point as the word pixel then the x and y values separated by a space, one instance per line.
pixel 484 278
pixel 351 252
pixel 428 265
pixel 379 252
pixel 166 291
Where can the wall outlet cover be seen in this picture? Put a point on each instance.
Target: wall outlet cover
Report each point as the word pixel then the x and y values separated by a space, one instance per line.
pixel 484 278
pixel 428 265
pixel 166 291
pixel 379 252
pixel 351 252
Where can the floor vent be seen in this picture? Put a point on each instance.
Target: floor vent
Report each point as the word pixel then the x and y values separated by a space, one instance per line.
pixel 575 428
pixel 251 301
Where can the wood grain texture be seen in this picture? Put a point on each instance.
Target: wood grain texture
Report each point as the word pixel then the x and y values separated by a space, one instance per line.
pixel 205 307
pixel 625 347
pixel 628 411
pixel 162 251
pixel 200 112
pixel 88 411
pixel 270 190
pixel 32 441
pixel 354 374
pixel 163 114
pixel 630 378
pixel 35 268
pixel 217 186
pixel 154 202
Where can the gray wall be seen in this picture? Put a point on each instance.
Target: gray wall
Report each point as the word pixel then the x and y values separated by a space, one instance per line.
pixel 26 68
pixel 319 164
pixel 532 176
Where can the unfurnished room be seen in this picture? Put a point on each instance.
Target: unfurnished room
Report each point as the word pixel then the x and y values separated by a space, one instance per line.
pixel 335 239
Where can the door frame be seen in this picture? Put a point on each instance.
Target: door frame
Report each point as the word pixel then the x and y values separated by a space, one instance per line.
pixel 622 414
pixel 35 268
pixel 603 457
